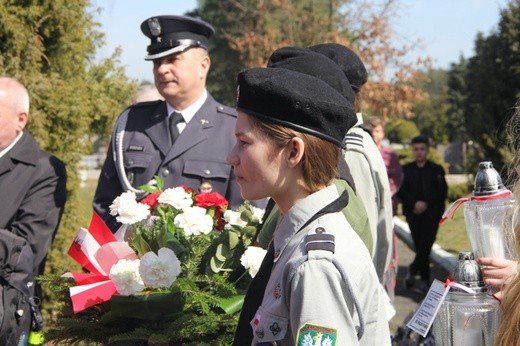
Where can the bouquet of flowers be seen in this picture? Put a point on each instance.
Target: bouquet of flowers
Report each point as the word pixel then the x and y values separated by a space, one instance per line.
pixel 174 273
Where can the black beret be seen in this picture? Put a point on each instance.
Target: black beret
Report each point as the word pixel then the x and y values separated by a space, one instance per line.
pixel 175 34
pixel 295 100
pixel 309 62
pixel 347 60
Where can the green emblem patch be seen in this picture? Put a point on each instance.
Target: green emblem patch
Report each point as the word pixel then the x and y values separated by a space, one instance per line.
pixel 311 335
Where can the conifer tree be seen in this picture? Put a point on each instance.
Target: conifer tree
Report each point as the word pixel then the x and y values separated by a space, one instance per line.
pixel 50 46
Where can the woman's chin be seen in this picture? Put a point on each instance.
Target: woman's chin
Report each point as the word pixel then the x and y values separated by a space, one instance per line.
pixel 249 195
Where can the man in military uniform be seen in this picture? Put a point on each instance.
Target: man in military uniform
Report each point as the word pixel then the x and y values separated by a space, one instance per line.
pixel 183 139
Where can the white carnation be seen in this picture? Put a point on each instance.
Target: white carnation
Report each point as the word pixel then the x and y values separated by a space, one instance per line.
pixel 161 269
pixel 127 210
pixel 258 213
pixel 176 197
pixel 233 219
pixel 194 221
pixel 125 275
pixel 252 259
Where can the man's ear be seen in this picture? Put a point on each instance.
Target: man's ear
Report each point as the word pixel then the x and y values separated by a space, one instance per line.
pixel 22 120
pixel 205 64
pixel 297 149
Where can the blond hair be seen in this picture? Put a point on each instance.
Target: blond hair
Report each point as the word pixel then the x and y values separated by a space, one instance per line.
pixel 509 329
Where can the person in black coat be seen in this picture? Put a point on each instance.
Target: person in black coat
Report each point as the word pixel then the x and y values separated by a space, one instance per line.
pixel 33 190
pixel 423 194
pixel 183 139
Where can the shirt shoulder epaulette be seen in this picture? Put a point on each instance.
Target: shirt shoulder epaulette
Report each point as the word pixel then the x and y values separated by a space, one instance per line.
pixel 143 109
pixel 226 110
pixel 353 139
pixel 318 239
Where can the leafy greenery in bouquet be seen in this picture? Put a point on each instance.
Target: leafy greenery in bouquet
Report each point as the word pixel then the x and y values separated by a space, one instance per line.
pixel 183 283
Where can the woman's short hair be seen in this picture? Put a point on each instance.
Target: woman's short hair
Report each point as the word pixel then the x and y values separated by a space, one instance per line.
pixel 320 160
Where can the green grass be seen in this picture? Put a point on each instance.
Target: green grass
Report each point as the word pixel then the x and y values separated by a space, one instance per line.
pixel 453 236
pixel 86 195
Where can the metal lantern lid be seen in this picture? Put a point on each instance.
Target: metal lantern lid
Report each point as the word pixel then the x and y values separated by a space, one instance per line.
pixel 467 272
pixel 487 180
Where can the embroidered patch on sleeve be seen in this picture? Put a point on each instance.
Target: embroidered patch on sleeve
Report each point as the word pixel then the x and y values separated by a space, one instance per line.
pixel 311 335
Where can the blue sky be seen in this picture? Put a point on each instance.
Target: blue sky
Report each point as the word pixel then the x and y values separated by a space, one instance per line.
pixel 447 28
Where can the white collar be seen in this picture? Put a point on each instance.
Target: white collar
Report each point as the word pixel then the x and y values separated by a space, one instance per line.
pixel 359 119
pixel 3 152
pixel 189 112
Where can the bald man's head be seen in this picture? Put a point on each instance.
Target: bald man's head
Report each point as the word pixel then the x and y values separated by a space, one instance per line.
pixel 14 110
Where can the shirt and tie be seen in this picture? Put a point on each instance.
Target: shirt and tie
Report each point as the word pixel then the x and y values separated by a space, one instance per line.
pixel 175 118
pixel 179 120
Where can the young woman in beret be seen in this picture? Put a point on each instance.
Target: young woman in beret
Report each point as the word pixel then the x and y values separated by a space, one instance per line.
pixel 317 284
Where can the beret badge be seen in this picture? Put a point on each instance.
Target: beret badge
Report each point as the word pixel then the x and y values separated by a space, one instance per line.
pixel 155 26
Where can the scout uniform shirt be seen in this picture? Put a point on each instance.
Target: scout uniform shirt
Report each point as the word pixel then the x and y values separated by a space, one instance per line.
pixel 315 295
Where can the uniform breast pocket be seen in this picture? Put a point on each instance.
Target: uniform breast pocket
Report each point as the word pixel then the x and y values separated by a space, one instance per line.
pixel 210 170
pixel 136 161
pixel 136 165
pixel 268 327
pixel 217 173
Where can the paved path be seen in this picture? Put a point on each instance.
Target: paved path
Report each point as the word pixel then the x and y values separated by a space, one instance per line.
pixel 407 300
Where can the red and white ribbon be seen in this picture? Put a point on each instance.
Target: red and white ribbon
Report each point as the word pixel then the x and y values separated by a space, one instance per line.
pixel 450 212
pixel 96 250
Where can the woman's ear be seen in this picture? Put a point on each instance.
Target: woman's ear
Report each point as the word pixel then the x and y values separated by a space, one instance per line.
pixel 297 149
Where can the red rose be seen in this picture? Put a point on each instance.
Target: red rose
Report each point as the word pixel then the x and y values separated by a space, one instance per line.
pixel 211 199
pixel 151 199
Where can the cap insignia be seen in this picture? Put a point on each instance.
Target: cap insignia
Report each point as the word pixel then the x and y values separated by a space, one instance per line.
pixel 155 26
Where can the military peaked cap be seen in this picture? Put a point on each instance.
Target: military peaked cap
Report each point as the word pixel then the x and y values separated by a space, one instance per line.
pixel 174 34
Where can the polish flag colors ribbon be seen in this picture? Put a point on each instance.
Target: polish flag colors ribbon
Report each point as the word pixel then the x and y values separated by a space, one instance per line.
pixel 97 250
pixel 450 212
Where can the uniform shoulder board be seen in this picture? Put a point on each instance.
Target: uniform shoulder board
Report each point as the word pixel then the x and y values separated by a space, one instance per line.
pixel 353 139
pixel 226 110
pixel 320 241
pixel 146 104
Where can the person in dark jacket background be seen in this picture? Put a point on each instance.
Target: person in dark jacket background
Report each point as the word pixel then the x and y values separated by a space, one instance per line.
pixel 33 190
pixel 422 194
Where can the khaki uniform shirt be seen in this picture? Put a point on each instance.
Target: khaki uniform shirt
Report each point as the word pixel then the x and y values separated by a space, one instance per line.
pixel 368 170
pixel 318 295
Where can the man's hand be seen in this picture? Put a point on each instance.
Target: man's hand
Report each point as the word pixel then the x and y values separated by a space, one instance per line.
pixel 420 207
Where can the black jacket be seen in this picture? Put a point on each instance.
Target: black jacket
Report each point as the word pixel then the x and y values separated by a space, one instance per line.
pixel 33 186
pixel 434 189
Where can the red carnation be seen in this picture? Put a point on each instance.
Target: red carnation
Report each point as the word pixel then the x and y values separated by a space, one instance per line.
pixel 211 199
pixel 151 199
